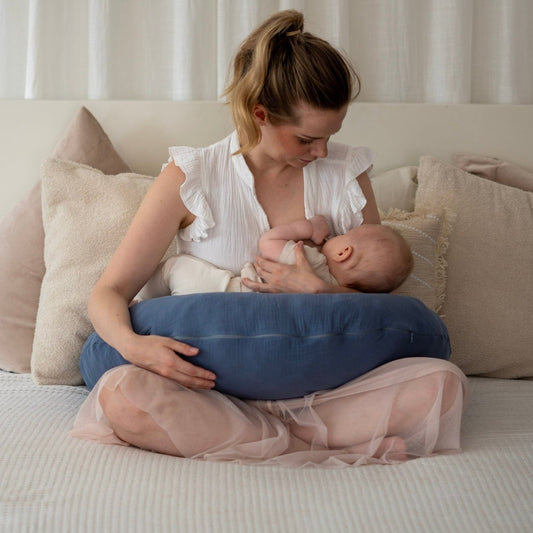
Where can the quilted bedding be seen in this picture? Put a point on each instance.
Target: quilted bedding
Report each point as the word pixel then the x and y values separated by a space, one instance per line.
pixel 50 482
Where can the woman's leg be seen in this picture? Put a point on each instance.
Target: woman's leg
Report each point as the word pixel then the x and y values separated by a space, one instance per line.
pixel 155 413
pixel 132 425
pixel 402 406
pixel 357 418
pixel 404 409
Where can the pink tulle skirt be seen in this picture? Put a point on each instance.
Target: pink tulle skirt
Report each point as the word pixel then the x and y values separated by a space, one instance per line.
pixel 405 409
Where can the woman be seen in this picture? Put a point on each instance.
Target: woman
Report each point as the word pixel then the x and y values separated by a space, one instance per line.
pixel 290 92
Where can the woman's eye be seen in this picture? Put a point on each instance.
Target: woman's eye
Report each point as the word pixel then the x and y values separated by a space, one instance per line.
pixel 305 141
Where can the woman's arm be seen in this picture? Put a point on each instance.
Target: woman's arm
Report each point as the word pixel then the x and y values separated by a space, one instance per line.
pixel 300 277
pixel 370 211
pixel 157 221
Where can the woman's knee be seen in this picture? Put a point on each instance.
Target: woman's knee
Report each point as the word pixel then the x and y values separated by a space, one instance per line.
pixel 121 414
pixel 452 387
pixel 437 389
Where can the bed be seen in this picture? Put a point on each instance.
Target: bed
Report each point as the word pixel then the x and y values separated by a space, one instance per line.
pixel 50 482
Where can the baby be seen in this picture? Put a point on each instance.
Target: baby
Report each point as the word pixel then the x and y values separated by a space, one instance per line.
pixel 368 258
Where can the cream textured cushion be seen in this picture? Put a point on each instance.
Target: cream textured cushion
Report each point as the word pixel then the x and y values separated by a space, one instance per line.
pixel 427 233
pixel 489 297
pixel 85 213
pixel 395 189
pixel 22 242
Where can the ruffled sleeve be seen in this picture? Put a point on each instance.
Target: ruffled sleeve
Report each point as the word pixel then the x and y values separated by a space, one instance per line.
pixel 358 160
pixel 192 192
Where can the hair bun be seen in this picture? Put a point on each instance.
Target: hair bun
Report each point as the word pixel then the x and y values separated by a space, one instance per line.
pixel 281 66
pixel 290 22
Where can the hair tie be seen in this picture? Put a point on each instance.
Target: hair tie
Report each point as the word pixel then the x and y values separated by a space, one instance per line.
pixel 293 33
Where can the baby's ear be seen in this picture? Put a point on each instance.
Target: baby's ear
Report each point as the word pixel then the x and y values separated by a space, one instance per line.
pixel 343 254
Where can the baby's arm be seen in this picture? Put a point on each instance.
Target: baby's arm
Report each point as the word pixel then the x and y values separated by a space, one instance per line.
pixel 272 242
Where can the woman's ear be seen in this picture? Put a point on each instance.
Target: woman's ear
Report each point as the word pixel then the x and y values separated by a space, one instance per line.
pixel 343 254
pixel 260 114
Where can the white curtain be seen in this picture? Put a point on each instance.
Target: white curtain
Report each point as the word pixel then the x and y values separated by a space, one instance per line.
pixel 443 51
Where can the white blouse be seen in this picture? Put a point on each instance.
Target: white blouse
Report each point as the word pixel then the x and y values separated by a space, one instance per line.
pixel 219 190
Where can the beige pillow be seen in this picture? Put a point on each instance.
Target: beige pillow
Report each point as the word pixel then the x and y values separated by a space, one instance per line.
pixel 395 189
pixel 22 242
pixel 85 214
pixel 427 233
pixel 489 296
pixel 495 169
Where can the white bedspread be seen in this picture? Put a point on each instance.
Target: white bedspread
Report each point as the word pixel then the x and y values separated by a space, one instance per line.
pixel 50 482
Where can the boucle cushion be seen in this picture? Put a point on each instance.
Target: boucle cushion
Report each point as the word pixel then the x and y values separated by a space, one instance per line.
pixel 85 213
pixel 22 242
pixel 489 295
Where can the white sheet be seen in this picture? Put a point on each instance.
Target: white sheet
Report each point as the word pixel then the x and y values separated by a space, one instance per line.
pixel 50 482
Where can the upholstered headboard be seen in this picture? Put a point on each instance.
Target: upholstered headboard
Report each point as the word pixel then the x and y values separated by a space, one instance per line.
pixel 141 132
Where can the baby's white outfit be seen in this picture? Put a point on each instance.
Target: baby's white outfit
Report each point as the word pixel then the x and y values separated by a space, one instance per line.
pixel 185 274
pixel 316 259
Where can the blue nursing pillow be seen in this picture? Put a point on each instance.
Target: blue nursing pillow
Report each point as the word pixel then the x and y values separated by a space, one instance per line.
pixel 274 346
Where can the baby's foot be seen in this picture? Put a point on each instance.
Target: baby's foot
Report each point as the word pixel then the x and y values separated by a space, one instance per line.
pixel 248 271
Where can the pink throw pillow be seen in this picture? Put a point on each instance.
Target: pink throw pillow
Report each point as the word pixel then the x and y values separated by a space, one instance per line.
pixel 22 242
pixel 495 169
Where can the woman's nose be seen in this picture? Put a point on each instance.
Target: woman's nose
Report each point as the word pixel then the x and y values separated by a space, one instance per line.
pixel 320 148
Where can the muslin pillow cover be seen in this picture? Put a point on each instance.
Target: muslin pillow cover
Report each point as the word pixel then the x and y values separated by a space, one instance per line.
pixel 489 291
pixel 427 232
pixel 22 242
pixel 495 169
pixel 85 214
pixel 274 346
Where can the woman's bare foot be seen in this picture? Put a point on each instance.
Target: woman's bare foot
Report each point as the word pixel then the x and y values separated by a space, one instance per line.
pixel 392 448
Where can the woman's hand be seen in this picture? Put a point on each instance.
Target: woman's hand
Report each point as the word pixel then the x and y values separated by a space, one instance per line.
pixel 279 277
pixel 163 356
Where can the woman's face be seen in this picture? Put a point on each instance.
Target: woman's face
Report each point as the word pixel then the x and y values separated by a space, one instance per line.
pixel 297 144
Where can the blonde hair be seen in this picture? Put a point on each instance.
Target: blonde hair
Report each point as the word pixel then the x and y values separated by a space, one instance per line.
pixel 280 66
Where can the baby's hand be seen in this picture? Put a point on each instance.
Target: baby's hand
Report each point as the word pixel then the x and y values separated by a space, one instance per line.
pixel 320 229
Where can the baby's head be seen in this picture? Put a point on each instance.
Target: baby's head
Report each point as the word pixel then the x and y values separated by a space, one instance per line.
pixel 369 258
